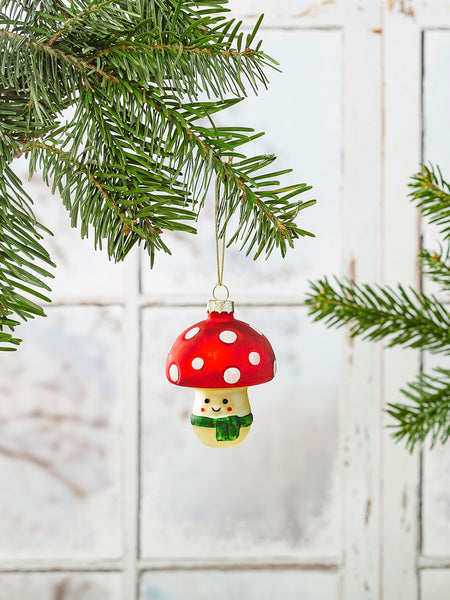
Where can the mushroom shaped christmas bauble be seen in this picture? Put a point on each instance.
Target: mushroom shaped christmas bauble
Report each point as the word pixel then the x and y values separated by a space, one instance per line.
pixel 220 357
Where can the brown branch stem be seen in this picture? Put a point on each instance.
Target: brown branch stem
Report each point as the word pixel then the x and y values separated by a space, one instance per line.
pixel 82 65
pixel 248 52
pixel 83 168
pixel 76 18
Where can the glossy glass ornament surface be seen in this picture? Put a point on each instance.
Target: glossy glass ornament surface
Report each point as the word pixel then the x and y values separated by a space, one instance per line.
pixel 221 357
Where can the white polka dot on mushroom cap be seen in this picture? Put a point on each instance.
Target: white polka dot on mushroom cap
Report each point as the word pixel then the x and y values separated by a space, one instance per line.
pixel 254 358
pixel 227 336
pixel 232 375
pixel 174 373
pixel 197 363
pixel 191 333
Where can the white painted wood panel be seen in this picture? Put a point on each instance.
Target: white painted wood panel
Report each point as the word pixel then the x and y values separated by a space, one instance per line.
pixel 131 416
pixel 360 383
pixel 307 14
pixel 401 147
pixel 436 462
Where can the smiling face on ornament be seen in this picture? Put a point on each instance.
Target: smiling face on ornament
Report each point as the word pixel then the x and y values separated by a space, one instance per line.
pixel 217 403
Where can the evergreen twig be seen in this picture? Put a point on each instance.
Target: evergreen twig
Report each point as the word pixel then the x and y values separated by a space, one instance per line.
pixel 404 317
pixel 428 412
pixel 22 260
pixel 432 195
pixel 436 265
pixel 135 156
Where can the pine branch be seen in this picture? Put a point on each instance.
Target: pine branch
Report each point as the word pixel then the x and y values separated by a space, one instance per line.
pixel 137 152
pixel 78 19
pixel 436 265
pixel 183 146
pixel 167 43
pixel 170 134
pixel 266 216
pixel 403 317
pixel 21 260
pixel 428 413
pixel 16 124
pixel 123 215
pixel 431 193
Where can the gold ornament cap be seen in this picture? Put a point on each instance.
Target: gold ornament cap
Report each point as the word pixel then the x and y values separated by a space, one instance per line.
pixel 220 306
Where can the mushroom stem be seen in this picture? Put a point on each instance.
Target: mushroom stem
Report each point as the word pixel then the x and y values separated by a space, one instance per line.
pixel 221 417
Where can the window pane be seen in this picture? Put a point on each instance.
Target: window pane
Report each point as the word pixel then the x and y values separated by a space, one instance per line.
pixel 81 272
pixel 232 585
pixel 435 584
pixel 437 98
pixel 436 487
pixel 301 115
pixel 436 115
pixel 273 495
pixel 46 586
pixel 436 462
pixel 60 437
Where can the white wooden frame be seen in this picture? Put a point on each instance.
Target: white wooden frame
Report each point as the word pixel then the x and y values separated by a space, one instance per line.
pixel 380 557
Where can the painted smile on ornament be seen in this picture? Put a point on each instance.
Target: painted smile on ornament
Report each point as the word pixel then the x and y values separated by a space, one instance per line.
pixel 216 409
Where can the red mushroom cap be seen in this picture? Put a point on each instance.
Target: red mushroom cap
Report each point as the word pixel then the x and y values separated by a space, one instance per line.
pixel 220 352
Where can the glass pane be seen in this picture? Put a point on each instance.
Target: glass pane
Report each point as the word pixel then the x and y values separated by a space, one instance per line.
pixel 239 585
pixel 436 462
pixel 436 114
pixel 436 501
pixel 436 486
pixel 437 98
pixel 60 437
pixel 61 586
pixel 81 271
pixel 273 495
pixel 435 584
pixel 301 115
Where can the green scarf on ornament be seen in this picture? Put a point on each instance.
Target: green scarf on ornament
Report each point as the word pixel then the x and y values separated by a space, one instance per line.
pixel 227 428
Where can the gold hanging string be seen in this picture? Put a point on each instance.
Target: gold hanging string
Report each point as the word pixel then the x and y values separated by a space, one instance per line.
pixel 220 252
pixel 220 259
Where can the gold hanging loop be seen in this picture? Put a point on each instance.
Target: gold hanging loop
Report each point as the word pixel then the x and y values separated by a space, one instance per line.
pixel 221 285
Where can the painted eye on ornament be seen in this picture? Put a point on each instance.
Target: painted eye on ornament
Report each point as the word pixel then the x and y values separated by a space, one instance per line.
pixel 206 400
pixel 225 401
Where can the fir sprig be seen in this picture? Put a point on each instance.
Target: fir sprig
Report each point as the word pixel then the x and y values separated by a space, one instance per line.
pixel 436 265
pixel 432 195
pixel 404 317
pixel 428 412
pixel 23 259
pixel 107 98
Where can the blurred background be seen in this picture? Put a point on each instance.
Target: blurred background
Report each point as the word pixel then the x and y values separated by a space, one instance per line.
pixel 106 493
